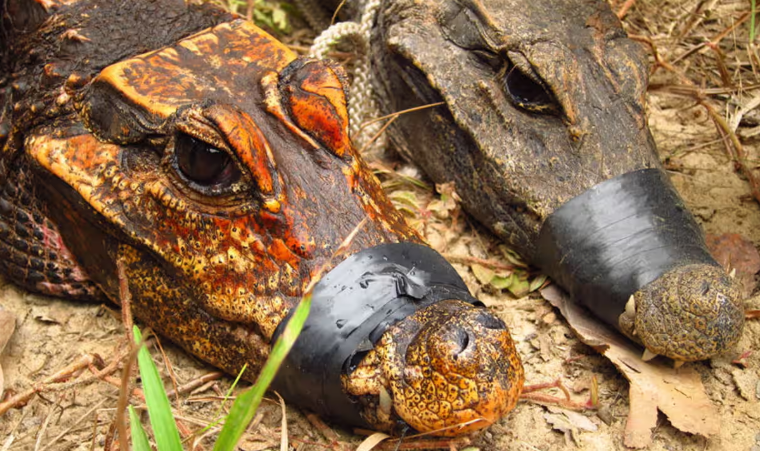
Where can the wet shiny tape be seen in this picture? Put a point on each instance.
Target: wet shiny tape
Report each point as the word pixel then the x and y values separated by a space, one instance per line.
pixel 617 237
pixel 351 307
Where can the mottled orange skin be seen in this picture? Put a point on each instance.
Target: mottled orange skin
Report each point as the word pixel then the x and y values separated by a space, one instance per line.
pixel 215 271
pixel 249 254
pixel 438 379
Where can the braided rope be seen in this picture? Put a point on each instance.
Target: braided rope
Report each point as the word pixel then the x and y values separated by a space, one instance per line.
pixel 362 103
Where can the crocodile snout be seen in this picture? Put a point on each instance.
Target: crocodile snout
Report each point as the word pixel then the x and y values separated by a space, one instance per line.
pixel 461 371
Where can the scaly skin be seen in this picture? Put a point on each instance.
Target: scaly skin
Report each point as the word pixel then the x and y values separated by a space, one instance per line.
pixel 542 101
pixel 699 295
pixel 443 367
pixel 215 165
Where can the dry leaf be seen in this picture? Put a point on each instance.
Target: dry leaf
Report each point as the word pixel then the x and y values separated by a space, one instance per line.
pixel 569 422
pixel 7 327
pixel 257 445
pixel 678 393
pixel 745 381
pixel 483 274
pixel 575 419
pixel 559 422
pixel 734 252
pixel 372 441
pixel 447 204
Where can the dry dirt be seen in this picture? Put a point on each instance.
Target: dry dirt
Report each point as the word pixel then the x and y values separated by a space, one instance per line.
pixel 53 333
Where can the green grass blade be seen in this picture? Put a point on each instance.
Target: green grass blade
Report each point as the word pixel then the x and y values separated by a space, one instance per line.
pixel 227 396
pixel 245 406
pixel 139 439
pixel 159 409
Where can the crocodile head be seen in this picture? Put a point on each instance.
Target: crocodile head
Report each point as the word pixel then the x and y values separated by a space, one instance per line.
pixel 541 101
pixel 215 166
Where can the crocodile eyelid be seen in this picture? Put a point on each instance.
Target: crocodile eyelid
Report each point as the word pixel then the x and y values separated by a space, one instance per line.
pixel 248 144
pixel 192 121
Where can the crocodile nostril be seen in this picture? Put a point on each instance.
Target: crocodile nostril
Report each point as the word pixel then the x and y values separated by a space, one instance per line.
pixel 490 322
pixel 462 339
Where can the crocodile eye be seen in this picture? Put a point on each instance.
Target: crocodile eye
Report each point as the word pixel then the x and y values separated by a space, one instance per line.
pixel 527 93
pixel 203 164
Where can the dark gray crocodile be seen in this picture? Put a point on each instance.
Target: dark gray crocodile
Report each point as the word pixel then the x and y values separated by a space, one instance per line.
pixel 544 131
pixel 216 166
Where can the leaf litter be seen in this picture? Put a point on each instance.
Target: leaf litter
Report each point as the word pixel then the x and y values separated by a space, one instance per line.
pixel 655 385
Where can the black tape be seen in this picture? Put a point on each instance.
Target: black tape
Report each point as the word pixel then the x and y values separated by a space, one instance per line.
pixel 351 307
pixel 617 237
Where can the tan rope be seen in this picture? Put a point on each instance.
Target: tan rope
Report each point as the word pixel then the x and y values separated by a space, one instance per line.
pixel 362 105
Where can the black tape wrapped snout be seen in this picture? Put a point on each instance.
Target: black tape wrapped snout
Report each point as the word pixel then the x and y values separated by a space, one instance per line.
pixel 617 237
pixel 352 307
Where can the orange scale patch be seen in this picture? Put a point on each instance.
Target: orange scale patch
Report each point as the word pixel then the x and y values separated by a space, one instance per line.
pixel 162 80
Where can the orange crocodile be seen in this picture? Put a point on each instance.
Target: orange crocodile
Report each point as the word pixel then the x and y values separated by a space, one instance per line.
pixel 216 165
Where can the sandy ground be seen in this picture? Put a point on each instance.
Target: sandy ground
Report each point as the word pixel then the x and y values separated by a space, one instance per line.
pixel 53 333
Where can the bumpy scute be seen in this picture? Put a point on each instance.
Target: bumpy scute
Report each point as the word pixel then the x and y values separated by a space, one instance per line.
pixel 447 368
pixel 690 313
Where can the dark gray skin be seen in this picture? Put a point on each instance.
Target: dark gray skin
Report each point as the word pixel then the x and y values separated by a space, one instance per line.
pixel 543 100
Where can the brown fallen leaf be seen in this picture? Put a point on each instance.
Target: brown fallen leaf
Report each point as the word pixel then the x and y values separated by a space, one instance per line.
pixel 7 327
pixel 569 422
pixel 654 385
pixel 372 441
pixel 734 252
